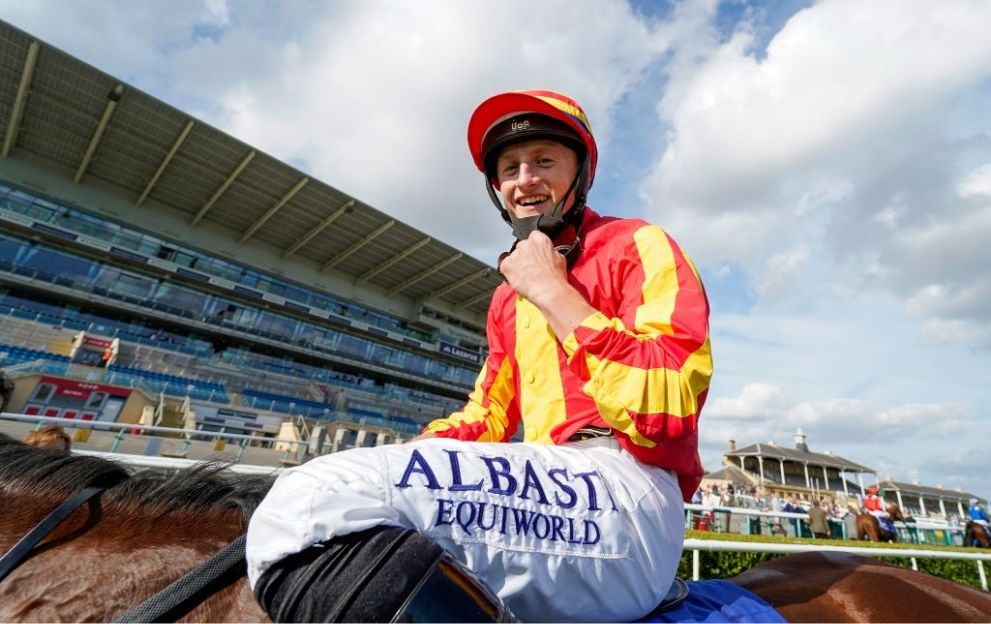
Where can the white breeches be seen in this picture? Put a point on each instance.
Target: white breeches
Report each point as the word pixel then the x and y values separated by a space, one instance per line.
pixel 576 532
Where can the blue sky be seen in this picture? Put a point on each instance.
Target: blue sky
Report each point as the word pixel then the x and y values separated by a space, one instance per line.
pixel 826 164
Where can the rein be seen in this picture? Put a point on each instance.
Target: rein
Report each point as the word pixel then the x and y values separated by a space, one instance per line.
pixel 15 556
pixel 183 594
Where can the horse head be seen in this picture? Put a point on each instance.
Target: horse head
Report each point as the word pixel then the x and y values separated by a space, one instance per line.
pixel 977 535
pixel 896 513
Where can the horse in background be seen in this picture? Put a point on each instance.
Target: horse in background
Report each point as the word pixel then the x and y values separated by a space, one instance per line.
pixel 976 534
pixel 146 530
pixel 870 528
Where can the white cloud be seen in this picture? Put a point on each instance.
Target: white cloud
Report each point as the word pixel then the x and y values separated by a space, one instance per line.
pixel 824 168
pixel 378 99
pixel 757 400
pixel 740 121
pixel 976 183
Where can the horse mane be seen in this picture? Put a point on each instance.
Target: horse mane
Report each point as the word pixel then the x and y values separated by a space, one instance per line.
pixel 57 475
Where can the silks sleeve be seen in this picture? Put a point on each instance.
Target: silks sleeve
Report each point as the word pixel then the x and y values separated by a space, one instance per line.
pixel 491 414
pixel 648 380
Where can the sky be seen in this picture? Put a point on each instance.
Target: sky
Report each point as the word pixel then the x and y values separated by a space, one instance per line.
pixel 827 165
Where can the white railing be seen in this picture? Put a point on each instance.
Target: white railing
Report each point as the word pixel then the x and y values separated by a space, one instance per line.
pixel 696 545
pixel 172 463
pixel 187 435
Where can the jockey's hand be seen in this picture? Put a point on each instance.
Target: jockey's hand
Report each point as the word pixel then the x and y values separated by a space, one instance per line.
pixel 539 274
pixel 535 269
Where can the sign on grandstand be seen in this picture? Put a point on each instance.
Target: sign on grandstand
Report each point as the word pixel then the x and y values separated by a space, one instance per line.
pixel 459 352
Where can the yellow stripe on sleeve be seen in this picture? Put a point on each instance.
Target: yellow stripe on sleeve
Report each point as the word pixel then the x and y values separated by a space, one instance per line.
pixel 476 410
pixel 620 390
pixel 660 284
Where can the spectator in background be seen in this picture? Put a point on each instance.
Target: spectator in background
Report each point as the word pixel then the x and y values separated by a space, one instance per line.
pixel 850 519
pixel 709 498
pixel 6 390
pixel 775 503
pixel 51 437
pixel 818 523
pixel 791 507
pixel 759 502
pixel 725 498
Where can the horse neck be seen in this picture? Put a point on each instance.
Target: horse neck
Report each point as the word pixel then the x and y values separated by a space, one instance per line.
pixel 115 556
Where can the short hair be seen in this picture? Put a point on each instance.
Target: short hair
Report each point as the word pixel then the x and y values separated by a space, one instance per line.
pixel 48 434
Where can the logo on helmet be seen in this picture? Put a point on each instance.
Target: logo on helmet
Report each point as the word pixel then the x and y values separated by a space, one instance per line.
pixel 517 126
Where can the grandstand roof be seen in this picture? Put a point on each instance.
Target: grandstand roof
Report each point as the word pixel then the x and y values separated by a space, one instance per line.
pixel 60 109
pixel 772 451
pixel 926 491
pixel 733 474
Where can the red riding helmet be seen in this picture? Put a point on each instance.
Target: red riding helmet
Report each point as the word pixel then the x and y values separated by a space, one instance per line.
pixel 872 489
pixel 491 127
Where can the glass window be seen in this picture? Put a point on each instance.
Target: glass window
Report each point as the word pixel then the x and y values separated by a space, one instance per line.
pixel 276 325
pixel 183 258
pixel 181 298
pixel 22 205
pixel 56 263
pixel 43 392
pixel 133 286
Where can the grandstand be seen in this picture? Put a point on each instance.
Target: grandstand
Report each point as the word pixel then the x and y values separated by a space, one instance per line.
pixel 156 270
pixel 806 475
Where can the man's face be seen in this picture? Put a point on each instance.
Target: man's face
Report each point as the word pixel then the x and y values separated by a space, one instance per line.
pixel 534 175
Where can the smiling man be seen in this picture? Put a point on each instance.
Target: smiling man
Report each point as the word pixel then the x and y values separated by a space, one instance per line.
pixel 598 349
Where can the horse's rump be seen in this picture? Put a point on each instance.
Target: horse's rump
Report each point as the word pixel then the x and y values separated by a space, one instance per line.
pixel 843 587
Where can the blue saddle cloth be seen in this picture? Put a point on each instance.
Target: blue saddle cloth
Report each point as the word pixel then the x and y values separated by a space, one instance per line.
pixel 718 601
pixel 887 525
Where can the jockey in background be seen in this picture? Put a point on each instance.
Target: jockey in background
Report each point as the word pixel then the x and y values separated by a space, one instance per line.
pixel 874 503
pixel 977 513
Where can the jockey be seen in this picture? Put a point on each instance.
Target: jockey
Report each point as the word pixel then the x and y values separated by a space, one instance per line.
pixel 598 348
pixel 874 503
pixel 977 513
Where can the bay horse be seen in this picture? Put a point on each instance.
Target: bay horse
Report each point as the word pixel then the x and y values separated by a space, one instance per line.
pixel 146 530
pixel 976 534
pixel 870 528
